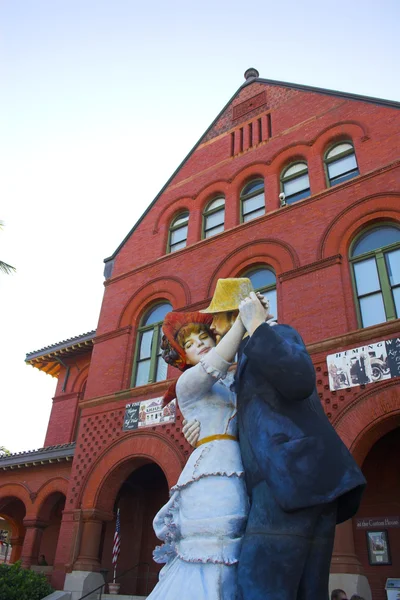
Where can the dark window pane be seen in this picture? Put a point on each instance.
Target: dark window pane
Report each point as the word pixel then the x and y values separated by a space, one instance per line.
pixel 344 177
pixel 214 231
pixel 178 235
pixel 253 215
pixel 253 203
pixel 215 203
pixel 376 238
pixel 157 313
pixel 396 298
pixel 366 274
pixel 293 186
pixel 161 372
pixel 342 165
pixel 296 197
pixel 215 219
pixel 145 344
pixel 252 187
pixel 142 373
pixel 372 310
pixel 273 305
pixel 178 246
pixel 182 219
pixel 393 266
pixel 339 149
pixel 261 278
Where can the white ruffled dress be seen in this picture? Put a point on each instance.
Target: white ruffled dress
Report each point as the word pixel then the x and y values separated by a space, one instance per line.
pixel 203 523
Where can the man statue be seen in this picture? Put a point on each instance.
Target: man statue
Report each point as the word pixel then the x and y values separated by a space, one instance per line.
pixel 300 477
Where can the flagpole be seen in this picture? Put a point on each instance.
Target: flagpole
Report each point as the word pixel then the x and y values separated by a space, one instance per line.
pixel 116 546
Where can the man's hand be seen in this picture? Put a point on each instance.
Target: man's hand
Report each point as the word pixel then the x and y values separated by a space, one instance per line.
pixel 265 302
pixel 252 313
pixel 191 431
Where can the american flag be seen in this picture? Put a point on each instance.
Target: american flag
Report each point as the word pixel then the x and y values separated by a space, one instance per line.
pixel 117 542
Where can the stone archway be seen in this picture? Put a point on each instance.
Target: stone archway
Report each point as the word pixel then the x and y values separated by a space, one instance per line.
pixel 13 507
pixel 100 492
pixel 375 413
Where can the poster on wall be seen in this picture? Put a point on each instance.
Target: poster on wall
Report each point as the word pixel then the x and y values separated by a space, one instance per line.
pixel 378 548
pixel 365 364
pixel 148 413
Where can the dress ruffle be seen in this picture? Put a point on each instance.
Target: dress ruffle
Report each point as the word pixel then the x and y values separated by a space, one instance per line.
pixel 198 536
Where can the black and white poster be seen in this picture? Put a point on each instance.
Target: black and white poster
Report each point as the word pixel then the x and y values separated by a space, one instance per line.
pixel 365 364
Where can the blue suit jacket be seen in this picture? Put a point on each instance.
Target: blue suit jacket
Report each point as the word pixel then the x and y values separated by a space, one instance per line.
pixel 285 437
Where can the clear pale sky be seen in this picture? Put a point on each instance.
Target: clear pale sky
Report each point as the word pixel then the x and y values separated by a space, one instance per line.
pixel 99 103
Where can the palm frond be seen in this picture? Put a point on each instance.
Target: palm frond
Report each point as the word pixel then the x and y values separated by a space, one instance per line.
pixel 5 268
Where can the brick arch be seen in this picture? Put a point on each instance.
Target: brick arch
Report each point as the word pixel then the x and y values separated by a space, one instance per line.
pixel 279 255
pixel 372 415
pixel 80 378
pixel 170 289
pixel 170 211
pixel 17 527
pixel 123 457
pixel 338 235
pixel 256 170
pixel 56 485
pixel 18 491
pixel 297 152
pixel 221 186
pixel 352 130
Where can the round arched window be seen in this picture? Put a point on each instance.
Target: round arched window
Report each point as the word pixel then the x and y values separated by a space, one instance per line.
pixel 263 280
pixel 341 163
pixel 252 199
pixel 149 366
pixel 375 259
pixel 214 217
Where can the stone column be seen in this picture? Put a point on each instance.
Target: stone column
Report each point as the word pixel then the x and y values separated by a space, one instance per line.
pixel 31 545
pixel 85 575
pixel 346 570
pixel 88 557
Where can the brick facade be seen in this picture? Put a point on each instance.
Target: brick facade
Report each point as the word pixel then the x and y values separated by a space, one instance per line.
pixel 306 244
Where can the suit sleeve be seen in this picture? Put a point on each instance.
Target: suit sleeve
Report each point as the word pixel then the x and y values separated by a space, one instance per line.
pixel 279 356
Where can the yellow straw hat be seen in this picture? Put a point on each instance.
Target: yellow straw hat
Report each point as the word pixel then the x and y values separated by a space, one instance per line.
pixel 228 294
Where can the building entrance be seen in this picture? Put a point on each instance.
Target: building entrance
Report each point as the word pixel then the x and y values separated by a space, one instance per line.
pixel 139 498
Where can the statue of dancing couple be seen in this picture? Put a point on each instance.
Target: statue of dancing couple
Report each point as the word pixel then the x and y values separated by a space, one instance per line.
pixel 253 514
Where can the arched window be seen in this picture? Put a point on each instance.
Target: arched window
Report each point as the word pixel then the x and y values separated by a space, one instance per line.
pixel 341 163
pixel 252 200
pixel 178 232
pixel 214 217
pixel 295 183
pixel 375 258
pixel 263 280
pixel 149 366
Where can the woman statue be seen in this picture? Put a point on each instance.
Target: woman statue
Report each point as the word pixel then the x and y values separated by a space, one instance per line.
pixel 203 522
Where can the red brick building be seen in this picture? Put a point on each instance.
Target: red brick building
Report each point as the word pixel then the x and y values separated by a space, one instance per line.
pixel 298 188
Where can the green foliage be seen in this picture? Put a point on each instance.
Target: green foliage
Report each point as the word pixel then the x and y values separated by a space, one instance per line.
pixel 17 583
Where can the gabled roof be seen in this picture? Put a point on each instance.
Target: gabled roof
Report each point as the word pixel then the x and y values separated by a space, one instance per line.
pixel 250 80
pixel 49 358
